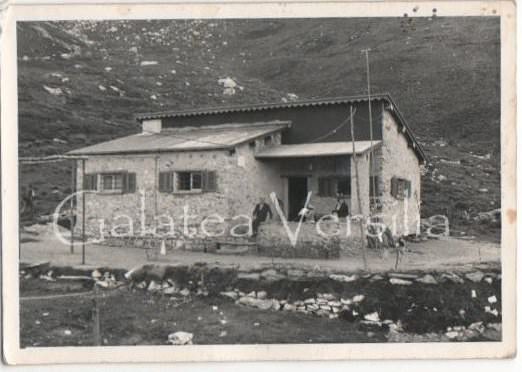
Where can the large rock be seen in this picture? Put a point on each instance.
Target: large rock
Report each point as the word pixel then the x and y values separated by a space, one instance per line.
pixel 272 275
pixel 144 272
pixel 261 295
pixel 427 279
pixel 230 294
pixel 397 281
pixel 296 274
pixel 344 278
pixel 263 304
pixel 181 338
pixel 249 276
pixel 247 301
pixel 476 276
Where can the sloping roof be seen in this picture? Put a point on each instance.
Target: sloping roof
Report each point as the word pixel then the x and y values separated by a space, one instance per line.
pixel 295 104
pixel 258 107
pixel 185 139
pixel 305 150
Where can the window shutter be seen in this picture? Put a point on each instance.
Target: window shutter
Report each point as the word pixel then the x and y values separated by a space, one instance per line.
pixel 166 182
pixel 124 182
pixel 90 182
pixel 408 185
pixel 394 187
pixel 131 182
pixel 209 181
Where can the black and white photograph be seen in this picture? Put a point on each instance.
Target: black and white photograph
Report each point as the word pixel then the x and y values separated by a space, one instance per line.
pixel 261 181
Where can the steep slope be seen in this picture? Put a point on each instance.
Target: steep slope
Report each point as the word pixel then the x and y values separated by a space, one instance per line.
pixel 81 82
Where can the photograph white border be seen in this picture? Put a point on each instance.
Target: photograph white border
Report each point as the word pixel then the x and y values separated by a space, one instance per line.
pixel 76 10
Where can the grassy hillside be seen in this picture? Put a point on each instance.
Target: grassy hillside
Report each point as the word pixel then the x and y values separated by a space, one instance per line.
pixel 81 83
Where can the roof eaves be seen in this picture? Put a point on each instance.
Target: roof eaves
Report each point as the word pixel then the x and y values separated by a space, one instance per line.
pixel 415 144
pixel 258 107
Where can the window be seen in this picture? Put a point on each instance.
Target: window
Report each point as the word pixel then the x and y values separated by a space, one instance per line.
pixel 400 188
pixel 331 186
pixel 268 140
pixel 195 181
pixel 344 185
pixel 184 181
pixel 112 182
pixel 123 182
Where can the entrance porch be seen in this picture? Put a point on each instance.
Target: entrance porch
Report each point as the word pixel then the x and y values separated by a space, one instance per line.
pixel 327 170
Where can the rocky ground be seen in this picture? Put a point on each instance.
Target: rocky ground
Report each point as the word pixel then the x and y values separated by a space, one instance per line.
pixel 80 83
pixel 212 304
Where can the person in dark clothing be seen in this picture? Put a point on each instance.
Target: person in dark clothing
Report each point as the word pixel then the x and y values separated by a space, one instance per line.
pixel 341 208
pixel 29 199
pixel 261 213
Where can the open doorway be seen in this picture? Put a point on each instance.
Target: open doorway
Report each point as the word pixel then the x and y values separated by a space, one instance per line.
pixel 297 192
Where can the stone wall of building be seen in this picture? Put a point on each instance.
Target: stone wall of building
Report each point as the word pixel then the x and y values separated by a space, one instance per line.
pixel 399 160
pixel 241 180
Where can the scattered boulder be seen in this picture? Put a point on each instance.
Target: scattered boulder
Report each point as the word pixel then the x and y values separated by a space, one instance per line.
pixel 452 277
pixel 295 274
pixel 492 299
pixel 476 276
pixel 272 275
pixel 263 304
pixel 376 277
pixel 344 278
pixel 148 63
pixel 249 276
pixel 53 91
pixel 247 301
pixel 403 276
pixel 180 338
pixel 144 272
pixel 170 290
pixel 230 294
pixel 154 286
pixel 427 279
pixel 261 295
pixel 397 281
pixel 358 298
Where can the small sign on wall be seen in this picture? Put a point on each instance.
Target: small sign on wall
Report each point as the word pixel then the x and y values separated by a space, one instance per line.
pixel 241 161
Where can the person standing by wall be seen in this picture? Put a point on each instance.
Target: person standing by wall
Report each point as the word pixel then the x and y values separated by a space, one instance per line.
pixel 341 208
pixel 261 213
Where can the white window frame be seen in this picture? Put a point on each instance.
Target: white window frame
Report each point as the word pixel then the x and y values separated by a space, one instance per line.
pixel 113 188
pixel 192 189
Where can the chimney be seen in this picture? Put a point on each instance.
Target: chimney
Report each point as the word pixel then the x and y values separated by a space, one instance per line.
pixel 151 126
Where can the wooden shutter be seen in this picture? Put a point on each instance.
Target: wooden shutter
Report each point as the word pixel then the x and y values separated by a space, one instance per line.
pixel 408 185
pixel 166 182
pixel 124 182
pixel 90 182
pixel 131 183
pixel 209 181
pixel 394 187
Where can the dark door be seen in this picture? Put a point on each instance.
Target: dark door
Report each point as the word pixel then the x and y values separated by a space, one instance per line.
pixel 297 192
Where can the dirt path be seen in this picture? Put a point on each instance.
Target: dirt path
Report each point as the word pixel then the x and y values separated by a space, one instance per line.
pixel 429 255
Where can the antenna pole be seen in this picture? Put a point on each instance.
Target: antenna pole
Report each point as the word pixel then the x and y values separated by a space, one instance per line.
pixel 372 161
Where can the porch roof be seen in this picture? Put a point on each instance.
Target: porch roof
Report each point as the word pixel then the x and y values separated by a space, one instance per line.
pixel 305 150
